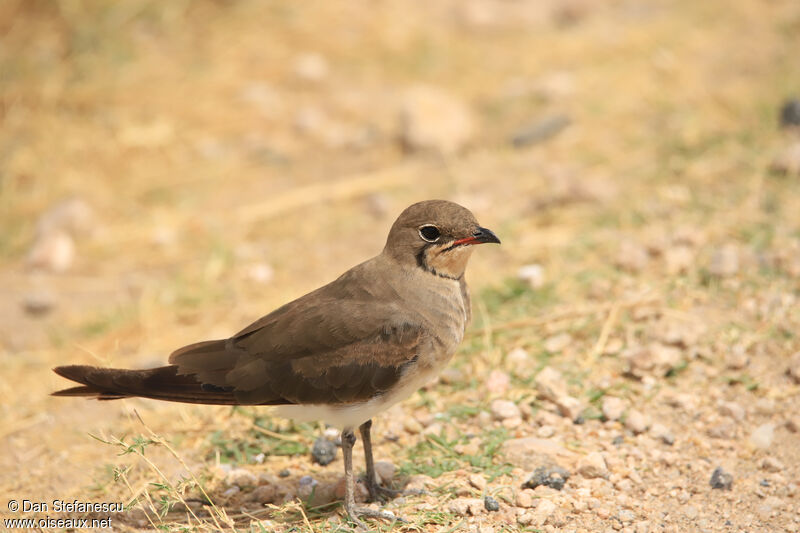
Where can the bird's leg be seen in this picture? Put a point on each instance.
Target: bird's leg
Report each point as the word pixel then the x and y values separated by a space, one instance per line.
pixel 376 491
pixel 348 440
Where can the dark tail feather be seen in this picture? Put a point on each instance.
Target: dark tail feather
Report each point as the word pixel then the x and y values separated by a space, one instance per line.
pixel 163 383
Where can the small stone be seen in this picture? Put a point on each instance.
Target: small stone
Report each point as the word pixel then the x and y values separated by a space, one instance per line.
pixel 466 506
pixel 230 492
pixel 539 130
pixel 323 452
pixel 737 358
pixel 771 464
pixel 241 477
pixel 419 482
pixel 764 406
pixel 557 343
pixel 762 436
pixel 545 432
pixel 477 481
pixel 524 499
pixel 433 119
pixel 569 407
pixel 552 476
pixel 503 409
pixel 679 259
pixel 311 67
pixel 593 465
pixel 411 425
pixel 260 273
pixel 306 486
pixel 794 367
pixel 38 303
pixel 517 358
pixel 284 473
pixel 626 516
pixel 726 431
pixel 385 471
pixel 53 252
pixel 531 452
pixel 533 275
pixel 613 407
pixel 263 494
pixel 497 383
pixel 543 511
pixel 491 504
pixel 720 479
pixel 690 512
pixel 788 161
pixel 725 261
pixel 662 433
pixel 733 410
pixel 790 113
pixel 632 256
pixel 793 424
pixel 550 384
pixel 637 422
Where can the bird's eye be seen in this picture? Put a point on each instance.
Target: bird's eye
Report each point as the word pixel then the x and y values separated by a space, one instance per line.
pixel 429 233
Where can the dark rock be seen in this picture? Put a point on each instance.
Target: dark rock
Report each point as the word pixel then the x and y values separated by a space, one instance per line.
pixel 38 304
pixel 618 440
pixel 491 504
pixel 284 473
pixel 539 131
pixel 720 479
pixel 323 452
pixel 552 476
pixel 790 113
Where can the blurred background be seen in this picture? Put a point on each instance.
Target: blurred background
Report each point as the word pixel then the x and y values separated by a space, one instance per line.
pixel 171 171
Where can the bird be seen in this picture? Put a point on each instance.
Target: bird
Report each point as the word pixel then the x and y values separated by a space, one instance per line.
pixel 340 354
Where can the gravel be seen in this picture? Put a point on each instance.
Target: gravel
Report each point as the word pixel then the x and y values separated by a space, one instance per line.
pixel 721 479
pixel 552 476
pixel 323 452
pixel 491 504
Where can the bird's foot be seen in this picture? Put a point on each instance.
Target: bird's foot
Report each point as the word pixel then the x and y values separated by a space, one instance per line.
pixel 379 493
pixel 356 513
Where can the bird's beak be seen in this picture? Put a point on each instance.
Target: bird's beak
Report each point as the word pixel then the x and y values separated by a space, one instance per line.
pixel 479 236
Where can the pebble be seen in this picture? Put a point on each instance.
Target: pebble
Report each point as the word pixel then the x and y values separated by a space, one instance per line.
pixel 52 252
pixel 545 432
pixel 232 491
pixel 543 511
pixel 433 119
pixel 679 259
pixel 725 430
pixel 385 471
pixel 539 130
pixel 550 384
pixel 762 436
pixel 793 424
pixel 632 256
pixel 613 407
pixel 790 113
pixel 477 481
pixel 593 465
pixel 524 499
pixel 503 409
pixel 553 476
pixel 626 516
pixel 721 479
pixel 264 494
pixel 466 506
pixel 497 383
pixel 517 358
pixel 241 477
pixel 733 410
pixel 533 275
pixel 788 160
pixel 737 358
pixel 771 464
pixel 38 303
pixel 323 452
pixel 725 261
pixel 532 452
pixel 794 367
pixel 662 433
pixel 284 473
pixel 490 504
pixel 637 422
pixel 557 343
pixel 310 67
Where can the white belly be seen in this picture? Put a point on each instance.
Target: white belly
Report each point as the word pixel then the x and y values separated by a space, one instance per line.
pixel 353 415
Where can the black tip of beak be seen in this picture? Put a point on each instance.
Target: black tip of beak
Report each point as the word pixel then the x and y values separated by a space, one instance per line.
pixel 484 235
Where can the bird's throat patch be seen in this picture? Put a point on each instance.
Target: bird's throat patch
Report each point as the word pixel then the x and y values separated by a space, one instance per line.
pixel 446 261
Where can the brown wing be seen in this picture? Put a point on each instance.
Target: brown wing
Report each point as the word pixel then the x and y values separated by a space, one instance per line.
pixel 339 344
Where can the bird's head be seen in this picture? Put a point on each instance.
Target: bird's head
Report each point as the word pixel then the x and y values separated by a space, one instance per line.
pixel 438 236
